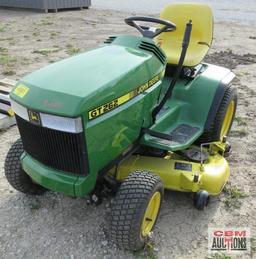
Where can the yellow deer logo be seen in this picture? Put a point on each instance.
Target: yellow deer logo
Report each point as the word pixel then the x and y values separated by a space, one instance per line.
pixel 34 117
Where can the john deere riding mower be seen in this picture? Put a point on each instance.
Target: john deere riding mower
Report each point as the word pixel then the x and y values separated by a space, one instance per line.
pixel 137 114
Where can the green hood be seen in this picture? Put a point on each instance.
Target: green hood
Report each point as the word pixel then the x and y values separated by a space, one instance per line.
pixel 77 84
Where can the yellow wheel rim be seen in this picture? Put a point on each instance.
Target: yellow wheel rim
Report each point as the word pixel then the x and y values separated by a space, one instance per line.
pixel 151 214
pixel 227 119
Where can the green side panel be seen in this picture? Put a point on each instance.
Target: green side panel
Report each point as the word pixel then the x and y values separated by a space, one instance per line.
pixel 113 133
pixel 189 105
pixel 47 177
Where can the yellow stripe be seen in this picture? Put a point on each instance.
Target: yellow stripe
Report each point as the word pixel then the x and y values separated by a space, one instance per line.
pixel 107 107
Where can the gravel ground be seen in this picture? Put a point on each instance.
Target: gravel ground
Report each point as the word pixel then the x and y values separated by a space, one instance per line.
pixel 56 226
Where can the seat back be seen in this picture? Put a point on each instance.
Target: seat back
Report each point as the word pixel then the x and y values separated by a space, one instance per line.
pixel 201 36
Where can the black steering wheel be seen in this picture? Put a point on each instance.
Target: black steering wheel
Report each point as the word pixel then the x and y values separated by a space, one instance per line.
pixel 150 32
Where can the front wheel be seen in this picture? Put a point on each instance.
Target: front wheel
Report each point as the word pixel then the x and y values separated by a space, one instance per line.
pixel 14 173
pixel 135 210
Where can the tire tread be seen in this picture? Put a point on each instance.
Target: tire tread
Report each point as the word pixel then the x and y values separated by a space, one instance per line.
pixel 129 207
pixel 14 173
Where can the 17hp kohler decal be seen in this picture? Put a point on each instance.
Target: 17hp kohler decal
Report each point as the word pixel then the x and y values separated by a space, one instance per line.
pixel 229 240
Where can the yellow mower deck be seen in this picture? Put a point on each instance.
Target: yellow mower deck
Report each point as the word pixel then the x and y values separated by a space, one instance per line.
pixel 180 174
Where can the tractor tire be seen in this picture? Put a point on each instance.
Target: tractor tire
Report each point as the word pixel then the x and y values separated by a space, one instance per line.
pixel 223 119
pixel 15 175
pixel 135 210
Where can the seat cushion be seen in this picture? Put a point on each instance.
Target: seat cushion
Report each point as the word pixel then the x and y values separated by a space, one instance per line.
pixel 201 35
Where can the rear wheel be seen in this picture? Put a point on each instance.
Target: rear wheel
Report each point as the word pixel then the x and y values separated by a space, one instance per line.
pixel 135 210
pixel 14 173
pixel 223 119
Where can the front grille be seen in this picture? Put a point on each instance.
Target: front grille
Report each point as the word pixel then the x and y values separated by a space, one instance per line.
pixel 56 149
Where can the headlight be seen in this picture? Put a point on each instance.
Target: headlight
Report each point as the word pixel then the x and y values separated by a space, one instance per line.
pixel 72 125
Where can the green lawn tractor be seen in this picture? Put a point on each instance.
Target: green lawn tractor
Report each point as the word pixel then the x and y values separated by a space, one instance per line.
pixel 136 114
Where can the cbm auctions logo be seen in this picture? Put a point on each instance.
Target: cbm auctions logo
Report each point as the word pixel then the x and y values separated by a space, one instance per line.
pixel 229 240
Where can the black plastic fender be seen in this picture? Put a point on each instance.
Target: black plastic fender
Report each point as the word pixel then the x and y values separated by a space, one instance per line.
pixel 223 85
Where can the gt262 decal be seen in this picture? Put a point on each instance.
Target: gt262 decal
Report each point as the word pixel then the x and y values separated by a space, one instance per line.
pixel 122 99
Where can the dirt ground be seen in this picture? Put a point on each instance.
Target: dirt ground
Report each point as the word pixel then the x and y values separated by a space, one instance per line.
pixel 56 226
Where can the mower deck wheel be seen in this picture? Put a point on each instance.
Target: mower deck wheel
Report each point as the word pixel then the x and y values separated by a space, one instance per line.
pixel 201 200
pixel 135 210
pixel 14 173
pixel 228 150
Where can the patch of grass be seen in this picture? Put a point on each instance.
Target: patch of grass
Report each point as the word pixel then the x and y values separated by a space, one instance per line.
pixel 2 29
pixel 219 256
pixel 241 121
pixel 3 50
pixel 54 34
pixel 6 39
pixel 242 73
pixel 6 59
pixel 73 51
pixel 8 70
pixel 45 52
pixel 253 244
pixel 36 33
pixel 45 22
pixel 147 253
pixel 239 133
pixel 233 196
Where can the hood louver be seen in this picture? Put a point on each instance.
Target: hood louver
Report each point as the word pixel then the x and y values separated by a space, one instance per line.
pixel 110 40
pixel 154 49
